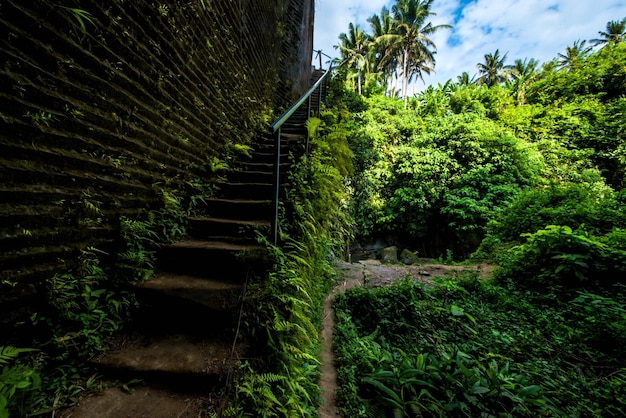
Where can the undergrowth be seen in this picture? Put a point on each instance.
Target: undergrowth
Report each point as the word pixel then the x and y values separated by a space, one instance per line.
pixel 473 348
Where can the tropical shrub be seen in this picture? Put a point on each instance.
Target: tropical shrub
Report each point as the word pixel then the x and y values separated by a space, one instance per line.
pixel 590 203
pixel 561 259
pixel 603 74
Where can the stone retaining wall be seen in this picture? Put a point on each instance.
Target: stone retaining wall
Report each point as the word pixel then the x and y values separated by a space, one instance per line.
pixel 103 111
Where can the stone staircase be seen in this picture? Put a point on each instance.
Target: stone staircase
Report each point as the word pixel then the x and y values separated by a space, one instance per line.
pixel 175 358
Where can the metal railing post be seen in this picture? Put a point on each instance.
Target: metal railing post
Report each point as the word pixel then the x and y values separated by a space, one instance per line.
pixel 308 116
pixel 276 186
pixel 308 109
pixel 319 101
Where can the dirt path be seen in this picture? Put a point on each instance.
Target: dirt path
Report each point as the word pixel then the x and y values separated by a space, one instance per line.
pixel 369 274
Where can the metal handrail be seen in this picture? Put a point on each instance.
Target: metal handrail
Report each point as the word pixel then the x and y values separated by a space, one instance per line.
pixel 275 129
pixel 289 112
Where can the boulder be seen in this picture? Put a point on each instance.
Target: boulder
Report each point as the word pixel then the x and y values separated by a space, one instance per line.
pixel 408 257
pixel 389 254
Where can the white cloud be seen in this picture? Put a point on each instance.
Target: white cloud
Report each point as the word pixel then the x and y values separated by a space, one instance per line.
pixel 537 29
pixel 332 17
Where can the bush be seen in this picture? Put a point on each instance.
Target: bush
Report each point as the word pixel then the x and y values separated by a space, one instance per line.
pixel 589 203
pixel 19 383
pixel 563 259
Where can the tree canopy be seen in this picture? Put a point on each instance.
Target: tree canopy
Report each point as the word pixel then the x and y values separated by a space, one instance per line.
pixel 399 45
pixel 440 171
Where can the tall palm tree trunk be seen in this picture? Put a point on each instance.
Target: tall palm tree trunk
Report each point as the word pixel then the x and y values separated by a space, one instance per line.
pixel 405 74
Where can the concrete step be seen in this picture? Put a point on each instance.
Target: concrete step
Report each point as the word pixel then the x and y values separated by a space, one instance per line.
pixel 262 156
pixel 239 230
pixel 250 177
pixel 214 294
pixel 264 167
pixel 247 210
pixel 227 260
pixel 176 362
pixel 252 191
pixel 183 336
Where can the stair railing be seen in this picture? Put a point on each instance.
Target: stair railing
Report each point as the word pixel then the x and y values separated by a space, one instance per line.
pixel 275 128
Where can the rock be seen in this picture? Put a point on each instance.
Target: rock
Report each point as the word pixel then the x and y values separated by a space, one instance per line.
pixel 370 262
pixel 389 254
pixel 408 257
pixel 363 254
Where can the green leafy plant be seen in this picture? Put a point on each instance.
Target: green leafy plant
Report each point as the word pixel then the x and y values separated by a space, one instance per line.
pixel 84 310
pixel 136 262
pixel 18 382
pixel 467 347
pixel 312 126
pixel 78 18
pixel 559 257
pixel 40 117
pixel 454 384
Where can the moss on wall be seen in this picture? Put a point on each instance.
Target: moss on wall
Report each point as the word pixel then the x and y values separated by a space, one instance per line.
pixel 101 111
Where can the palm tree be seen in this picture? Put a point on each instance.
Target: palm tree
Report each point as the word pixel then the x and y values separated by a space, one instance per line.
pixel 354 50
pixel 573 54
pixel 493 71
pixel 410 45
pixel 522 74
pixel 464 79
pixel 615 33
pixel 384 55
pixel 523 69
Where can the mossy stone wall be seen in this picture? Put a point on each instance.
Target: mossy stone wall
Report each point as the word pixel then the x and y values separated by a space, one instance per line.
pixel 101 112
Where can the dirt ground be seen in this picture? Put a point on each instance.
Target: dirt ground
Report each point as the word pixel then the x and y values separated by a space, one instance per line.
pixel 371 273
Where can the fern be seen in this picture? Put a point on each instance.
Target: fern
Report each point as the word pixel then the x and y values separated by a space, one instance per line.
pixel 282 325
pixel 15 378
pixel 312 126
pixel 81 16
pixel 271 377
pixel 8 353
pixel 301 355
pixel 241 149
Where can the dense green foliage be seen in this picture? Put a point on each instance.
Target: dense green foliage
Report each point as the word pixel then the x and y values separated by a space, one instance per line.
pixel 444 182
pixel 559 259
pixel 436 175
pixel 19 382
pixel 526 168
pixel 465 347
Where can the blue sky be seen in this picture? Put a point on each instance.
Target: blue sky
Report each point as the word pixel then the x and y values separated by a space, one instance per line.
pixel 537 29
